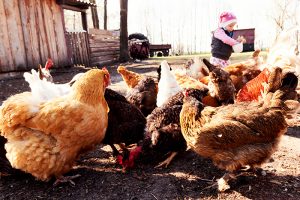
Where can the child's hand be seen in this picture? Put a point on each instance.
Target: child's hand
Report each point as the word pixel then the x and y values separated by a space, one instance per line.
pixel 241 39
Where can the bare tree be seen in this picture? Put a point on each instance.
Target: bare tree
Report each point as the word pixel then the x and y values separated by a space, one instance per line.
pixel 281 15
pixel 124 54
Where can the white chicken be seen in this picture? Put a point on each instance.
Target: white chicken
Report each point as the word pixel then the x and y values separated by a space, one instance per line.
pixel 282 53
pixel 39 86
pixel 167 85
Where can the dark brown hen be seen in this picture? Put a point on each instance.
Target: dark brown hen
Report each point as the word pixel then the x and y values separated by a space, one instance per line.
pixel 163 133
pixel 143 95
pixel 126 123
pixel 220 85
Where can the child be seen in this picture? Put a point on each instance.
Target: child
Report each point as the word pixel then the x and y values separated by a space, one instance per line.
pixel 223 44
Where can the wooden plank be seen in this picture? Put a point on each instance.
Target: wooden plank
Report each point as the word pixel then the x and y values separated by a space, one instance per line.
pixel 104 41
pixel 78 42
pixel 25 21
pixel 6 58
pixel 104 53
pixel 41 32
pixel 33 34
pixel 15 34
pixel 49 30
pixel 61 43
pixel 103 45
pixel 100 32
pixel 85 48
pixel 93 50
pixel 93 36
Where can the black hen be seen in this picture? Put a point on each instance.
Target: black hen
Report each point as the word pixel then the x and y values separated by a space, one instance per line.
pixel 126 123
pixel 143 95
pixel 5 166
pixel 163 133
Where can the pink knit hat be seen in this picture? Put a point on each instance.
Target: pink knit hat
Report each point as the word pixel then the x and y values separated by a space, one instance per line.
pixel 227 18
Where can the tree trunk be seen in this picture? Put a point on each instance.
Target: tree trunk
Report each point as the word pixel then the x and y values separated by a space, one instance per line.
pixel 124 54
pixel 105 14
pixel 95 15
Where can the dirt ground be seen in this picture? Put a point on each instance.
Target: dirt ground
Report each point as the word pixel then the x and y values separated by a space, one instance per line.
pixel 186 178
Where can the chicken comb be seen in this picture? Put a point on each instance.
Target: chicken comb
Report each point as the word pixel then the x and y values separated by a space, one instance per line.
pixel 48 64
pixel 185 93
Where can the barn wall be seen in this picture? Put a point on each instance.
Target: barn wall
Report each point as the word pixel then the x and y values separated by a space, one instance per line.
pixel 31 31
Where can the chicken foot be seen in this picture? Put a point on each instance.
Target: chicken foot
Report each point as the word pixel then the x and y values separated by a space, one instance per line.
pixel 115 150
pixel 222 183
pixel 66 179
pixel 167 161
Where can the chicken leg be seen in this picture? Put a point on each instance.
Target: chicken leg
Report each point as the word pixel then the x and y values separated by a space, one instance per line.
pixel 114 149
pixel 66 179
pixel 167 161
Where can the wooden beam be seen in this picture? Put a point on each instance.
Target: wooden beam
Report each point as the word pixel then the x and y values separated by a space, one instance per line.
pixel 74 8
pixel 95 15
pixel 105 14
pixel 124 54
pixel 84 21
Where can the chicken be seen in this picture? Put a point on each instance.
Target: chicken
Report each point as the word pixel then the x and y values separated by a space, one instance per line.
pixel 162 133
pixel 45 72
pixel 183 80
pixel 236 135
pixel 54 132
pixel 126 123
pixel 268 81
pixel 242 72
pixel 131 78
pixel 282 53
pixel 144 95
pixel 220 85
pixel 167 85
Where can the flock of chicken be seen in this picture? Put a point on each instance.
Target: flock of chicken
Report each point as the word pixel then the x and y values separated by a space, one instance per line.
pixel 234 116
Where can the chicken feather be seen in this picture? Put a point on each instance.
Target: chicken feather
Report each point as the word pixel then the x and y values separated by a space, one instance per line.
pixel 45 142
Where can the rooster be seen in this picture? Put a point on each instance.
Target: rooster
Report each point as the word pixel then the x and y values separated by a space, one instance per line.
pixel 162 133
pixel 56 131
pixel 167 85
pixel 236 135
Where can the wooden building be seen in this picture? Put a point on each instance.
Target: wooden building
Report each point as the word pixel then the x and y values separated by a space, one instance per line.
pixel 34 30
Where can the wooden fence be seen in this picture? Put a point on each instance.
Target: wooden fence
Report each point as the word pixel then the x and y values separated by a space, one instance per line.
pixel 104 46
pixel 30 32
pixel 78 45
